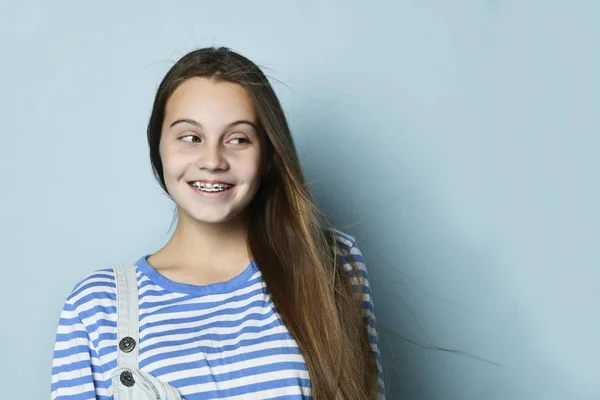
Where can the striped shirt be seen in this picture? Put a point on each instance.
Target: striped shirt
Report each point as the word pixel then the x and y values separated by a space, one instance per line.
pixel 219 341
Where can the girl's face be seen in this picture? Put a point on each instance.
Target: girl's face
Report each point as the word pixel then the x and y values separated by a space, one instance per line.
pixel 210 133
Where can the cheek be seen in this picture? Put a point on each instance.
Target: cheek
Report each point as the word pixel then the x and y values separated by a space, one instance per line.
pixel 250 168
pixel 172 161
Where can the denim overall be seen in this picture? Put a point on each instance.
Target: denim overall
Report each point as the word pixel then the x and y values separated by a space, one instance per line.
pixel 128 382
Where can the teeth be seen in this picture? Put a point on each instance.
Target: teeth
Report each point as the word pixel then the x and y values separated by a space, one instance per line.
pixel 207 187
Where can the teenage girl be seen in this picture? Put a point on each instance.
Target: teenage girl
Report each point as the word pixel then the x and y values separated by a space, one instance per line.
pixel 256 295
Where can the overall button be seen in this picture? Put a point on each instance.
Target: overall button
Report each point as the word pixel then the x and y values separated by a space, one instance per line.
pixel 127 378
pixel 127 344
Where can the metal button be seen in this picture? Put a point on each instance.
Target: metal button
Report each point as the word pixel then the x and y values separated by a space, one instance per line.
pixel 127 378
pixel 127 344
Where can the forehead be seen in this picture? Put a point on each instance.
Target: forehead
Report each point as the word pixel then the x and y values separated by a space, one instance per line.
pixel 206 99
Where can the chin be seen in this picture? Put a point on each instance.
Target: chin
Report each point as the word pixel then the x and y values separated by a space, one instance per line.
pixel 210 217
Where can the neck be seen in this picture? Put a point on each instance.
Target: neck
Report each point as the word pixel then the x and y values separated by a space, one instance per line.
pixel 204 246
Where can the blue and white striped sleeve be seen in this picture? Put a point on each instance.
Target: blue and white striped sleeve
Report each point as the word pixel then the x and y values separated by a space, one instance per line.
pixel 72 376
pixel 369 313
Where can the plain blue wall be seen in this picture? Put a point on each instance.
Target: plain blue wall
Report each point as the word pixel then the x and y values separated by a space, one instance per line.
pixel 458 141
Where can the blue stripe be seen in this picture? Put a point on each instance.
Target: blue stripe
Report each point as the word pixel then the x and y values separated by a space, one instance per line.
pixel 74 366
pixel 69 321
pixel 246 389
pixel 217 313
pixel 215 350
pixel 94 296
pixel 196 306
pixel 92 328
pixel 219 362
pixel 71 351
pixel 90 285
pixel 242 373
pixel 343 235
pixel 220 324
pixel 171 343
pixel 82 396
pixel 69 383
pixel 65 337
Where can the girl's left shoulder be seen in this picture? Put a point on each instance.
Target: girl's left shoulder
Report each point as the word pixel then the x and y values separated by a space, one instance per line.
pixel 349 255
pixel 343 239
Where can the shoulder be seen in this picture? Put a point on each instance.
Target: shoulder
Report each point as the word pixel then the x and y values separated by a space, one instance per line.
pixel 343 240
pixel 350 256
pixel 94 287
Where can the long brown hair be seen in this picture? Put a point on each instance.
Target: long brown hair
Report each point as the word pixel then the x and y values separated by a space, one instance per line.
pixel 291 240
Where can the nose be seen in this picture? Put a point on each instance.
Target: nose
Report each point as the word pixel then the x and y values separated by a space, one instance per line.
pixel 211 157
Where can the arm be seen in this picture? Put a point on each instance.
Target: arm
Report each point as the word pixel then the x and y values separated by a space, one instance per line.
pixel 369 313
pixel 72 369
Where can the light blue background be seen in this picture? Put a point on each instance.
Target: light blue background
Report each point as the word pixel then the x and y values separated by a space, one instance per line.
pixel 458 141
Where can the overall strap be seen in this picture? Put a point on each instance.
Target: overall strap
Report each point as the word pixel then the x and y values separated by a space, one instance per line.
pixel 127 316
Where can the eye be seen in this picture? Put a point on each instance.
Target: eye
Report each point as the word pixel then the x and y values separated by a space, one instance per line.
pixel 188 136
pixel 241 138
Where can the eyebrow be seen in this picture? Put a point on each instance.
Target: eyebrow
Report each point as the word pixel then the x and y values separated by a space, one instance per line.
pixel 199 125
